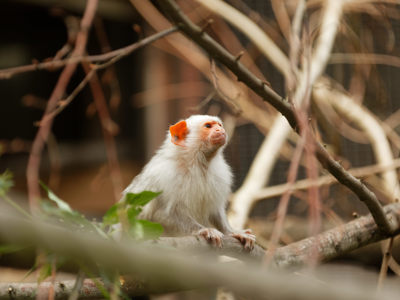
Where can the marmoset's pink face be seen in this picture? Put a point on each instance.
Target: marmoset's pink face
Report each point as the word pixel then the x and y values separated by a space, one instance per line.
pixel 214 133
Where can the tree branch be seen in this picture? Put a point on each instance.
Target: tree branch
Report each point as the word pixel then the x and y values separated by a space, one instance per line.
pixel 32 171
pixel 337 241
pixel 216 51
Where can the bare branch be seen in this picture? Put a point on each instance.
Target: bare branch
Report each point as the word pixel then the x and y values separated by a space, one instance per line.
pixel 361 172
pixel 365 58
pixel 284 201
pixel 109 130
pixel 32 172
pixel 114 55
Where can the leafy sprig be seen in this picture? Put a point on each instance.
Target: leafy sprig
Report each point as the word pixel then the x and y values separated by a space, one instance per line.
pixel 132 206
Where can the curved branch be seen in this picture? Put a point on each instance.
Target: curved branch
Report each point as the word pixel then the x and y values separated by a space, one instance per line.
pixel 364 119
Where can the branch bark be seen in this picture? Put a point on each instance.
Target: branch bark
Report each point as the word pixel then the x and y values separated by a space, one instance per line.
pixel 216 51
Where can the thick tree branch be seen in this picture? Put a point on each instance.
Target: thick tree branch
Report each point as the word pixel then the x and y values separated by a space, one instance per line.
pixel 216 51
pixel 337 241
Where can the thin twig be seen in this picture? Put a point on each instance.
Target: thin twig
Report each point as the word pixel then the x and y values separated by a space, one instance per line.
pixel 294 43
pixel 282 17
pixel 284 201
pixel 109 130
pixel 56 64
pixel 361 172
pixel 62 104
pixel 110 76
pixel 387 255
pixel 214 79
pixel 303 113
pixel 365 58
pixel 74 295
pixel 51 291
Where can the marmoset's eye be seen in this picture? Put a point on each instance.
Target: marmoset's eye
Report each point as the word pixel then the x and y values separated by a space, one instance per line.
pixel 207 125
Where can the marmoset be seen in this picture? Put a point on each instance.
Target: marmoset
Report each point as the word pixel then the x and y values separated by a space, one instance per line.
pixel 195 180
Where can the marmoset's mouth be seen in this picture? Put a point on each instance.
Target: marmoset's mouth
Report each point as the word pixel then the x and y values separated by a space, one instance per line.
pixel 218 138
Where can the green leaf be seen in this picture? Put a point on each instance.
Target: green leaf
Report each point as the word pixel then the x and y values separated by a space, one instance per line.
pixel 132 207
pixel 5 182
pixel 4 249
pixel 73 217
pixel 140 199
pixel 111 216
pixel 133 212
pixel 53 197
pixel 143 229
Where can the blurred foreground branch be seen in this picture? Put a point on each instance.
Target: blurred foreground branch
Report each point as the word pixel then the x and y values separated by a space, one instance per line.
pixel 172 264
pixel 214 49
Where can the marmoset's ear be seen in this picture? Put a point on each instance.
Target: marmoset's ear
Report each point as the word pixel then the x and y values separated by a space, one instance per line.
pixel 178 133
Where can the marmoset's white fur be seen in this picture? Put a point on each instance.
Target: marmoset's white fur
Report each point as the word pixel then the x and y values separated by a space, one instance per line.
pixel 195 180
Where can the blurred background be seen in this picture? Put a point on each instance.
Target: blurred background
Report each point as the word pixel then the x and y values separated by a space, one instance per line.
pixel 156 86
pixel 146 92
